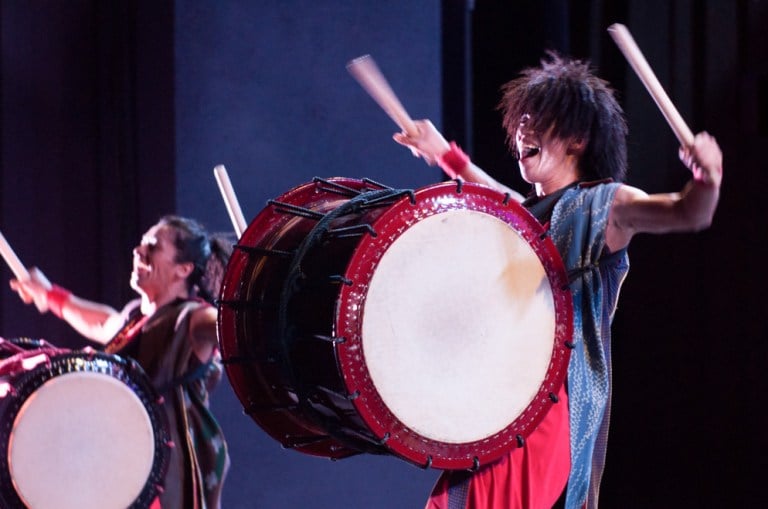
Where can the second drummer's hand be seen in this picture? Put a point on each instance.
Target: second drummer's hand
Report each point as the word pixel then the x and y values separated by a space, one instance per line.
pixel 705 159
pixel 33 290
pixel 429 144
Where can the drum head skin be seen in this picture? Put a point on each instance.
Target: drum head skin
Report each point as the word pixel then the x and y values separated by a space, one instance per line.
pixel 86 433
pixel 457 346
pixel 46 466
pixel 456 340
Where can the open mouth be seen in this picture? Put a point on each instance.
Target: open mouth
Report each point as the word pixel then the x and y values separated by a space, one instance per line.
pixel 139 265
pixel 529 151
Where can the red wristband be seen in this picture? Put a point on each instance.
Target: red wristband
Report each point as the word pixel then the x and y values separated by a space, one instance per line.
pixel 56 298
pixel 454 161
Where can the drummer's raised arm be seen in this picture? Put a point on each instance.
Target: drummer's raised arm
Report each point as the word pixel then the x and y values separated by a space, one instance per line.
pixel 97 322
pixel 692 209
pixel 435 149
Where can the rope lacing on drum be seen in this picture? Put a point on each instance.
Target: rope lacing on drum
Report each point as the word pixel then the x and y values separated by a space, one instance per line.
pixel 387 199
pixel 295 210
pixel 337 188
pixel 352 231
pixel 296 279
pixel 323 229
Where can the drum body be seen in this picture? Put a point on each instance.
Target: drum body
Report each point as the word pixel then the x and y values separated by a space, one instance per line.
pixel 79 430
pixel 432 325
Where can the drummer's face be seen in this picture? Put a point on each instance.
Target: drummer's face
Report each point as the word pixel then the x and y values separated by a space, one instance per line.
pixel 155 269
pixel 543 159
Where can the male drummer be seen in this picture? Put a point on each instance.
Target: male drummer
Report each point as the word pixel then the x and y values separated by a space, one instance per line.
pixel 568 134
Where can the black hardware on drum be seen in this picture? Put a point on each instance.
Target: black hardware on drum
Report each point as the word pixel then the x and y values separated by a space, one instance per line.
pixel 263 251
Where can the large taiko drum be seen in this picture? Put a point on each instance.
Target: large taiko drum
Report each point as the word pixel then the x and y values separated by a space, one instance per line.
pixel 82 430
pixel 432 325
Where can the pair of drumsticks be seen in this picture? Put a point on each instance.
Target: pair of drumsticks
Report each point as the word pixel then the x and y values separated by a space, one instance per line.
pixel 367 73
pixel 364 69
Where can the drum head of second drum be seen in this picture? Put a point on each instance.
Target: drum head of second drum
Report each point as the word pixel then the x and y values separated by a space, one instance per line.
pixel 458 326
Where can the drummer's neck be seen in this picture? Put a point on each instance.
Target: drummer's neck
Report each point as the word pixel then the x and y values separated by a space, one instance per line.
pixel 150 304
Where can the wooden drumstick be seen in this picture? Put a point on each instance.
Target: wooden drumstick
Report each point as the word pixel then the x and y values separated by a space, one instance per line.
pixel 12 260
pixel 367 73
pixel 230 200
pixel 634 56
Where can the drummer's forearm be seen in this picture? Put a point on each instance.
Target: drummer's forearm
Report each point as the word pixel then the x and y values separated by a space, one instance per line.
pixel 457 165
pixel 473 173
pixel 97 322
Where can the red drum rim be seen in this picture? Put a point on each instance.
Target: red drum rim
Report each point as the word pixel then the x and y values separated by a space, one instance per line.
pixel 393 433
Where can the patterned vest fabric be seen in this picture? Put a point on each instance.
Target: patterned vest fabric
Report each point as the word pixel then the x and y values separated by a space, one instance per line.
pixel 578 227
pixel 200 459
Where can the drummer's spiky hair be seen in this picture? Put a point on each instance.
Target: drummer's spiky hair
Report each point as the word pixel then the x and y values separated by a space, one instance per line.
pixel 564 94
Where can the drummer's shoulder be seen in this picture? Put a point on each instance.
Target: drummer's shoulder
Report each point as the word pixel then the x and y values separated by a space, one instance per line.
pixel 605 192
pixel 204 311
pixel 202 331
pixel 202 321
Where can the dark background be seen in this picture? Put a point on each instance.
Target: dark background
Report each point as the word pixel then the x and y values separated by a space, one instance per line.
pixel 114 113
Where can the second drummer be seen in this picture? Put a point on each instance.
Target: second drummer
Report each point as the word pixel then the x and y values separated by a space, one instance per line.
pixel 568 134
pixel 171 331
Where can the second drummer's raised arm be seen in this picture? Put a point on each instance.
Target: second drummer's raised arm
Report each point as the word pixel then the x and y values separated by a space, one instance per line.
pixel 435 149
pixel 473 173
pixel 692 209
pixel 97 322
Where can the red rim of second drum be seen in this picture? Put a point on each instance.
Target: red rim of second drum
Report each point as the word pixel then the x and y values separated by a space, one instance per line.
pixel 395 435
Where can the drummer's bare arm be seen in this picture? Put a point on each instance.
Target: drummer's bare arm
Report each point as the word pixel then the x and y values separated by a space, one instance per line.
pixel 473 173
pixel 202 332
pixel 435 149
pixel 692 209
pixel 97 322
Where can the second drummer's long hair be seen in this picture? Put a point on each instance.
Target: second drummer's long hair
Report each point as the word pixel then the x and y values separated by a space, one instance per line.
pixel 565 95
pixel 208 253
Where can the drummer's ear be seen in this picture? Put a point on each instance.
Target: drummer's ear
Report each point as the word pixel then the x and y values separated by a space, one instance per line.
pixel 576 146
pixel 183 270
